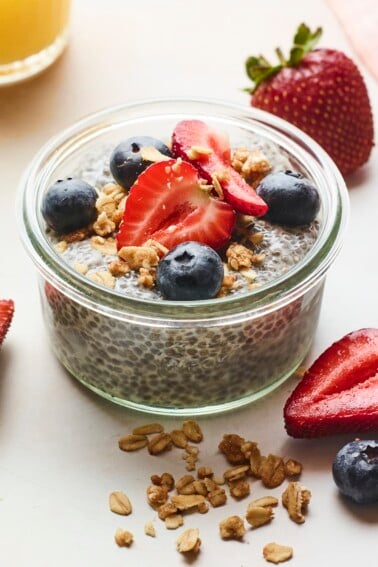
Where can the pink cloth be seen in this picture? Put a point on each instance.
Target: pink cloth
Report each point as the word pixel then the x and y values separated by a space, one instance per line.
pixel 359 20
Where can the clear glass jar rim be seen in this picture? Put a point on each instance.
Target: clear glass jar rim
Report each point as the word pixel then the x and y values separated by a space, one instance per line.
pixel 278 293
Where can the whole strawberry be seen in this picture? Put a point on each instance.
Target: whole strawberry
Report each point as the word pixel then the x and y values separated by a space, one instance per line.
pixel 322 92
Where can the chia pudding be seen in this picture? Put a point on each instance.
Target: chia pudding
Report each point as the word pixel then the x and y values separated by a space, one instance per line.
pixel 116 333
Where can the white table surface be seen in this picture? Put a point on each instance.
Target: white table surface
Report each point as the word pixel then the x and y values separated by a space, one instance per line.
pixel 59 458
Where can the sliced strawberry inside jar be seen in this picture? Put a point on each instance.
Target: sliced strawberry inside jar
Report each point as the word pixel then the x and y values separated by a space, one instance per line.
pixel 209 151
pixel 168 204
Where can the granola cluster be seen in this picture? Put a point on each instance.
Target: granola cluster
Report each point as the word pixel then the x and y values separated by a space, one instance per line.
pixel 251 163
pixel 173 498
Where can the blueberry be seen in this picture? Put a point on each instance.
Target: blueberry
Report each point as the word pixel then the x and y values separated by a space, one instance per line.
pixel 355 471
pixel 292 199
pixel 190 271
pixel 127 161
pixel 69 204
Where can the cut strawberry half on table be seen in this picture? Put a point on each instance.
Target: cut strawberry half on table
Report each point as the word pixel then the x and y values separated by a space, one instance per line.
pixel 209 151
pixel 168 204
pixel 339 393
pixel 6 315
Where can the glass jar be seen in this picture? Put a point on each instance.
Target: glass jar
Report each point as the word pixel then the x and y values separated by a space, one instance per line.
pixel 33 33
pixel 176 357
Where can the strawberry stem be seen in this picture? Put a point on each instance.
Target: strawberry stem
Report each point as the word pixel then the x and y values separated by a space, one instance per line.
pixel 259 69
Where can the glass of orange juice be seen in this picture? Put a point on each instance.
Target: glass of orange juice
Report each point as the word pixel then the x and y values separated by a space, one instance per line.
pixel 33 33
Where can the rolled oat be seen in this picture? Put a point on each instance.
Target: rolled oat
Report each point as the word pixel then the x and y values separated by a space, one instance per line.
pixel 132 442
pixel 119 503
pixel 275 553
pixel 189 541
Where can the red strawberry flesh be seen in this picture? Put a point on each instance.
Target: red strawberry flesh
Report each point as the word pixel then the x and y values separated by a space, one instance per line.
pixel 6 316
pixel 189 134
pixel 339 393
pixel 167 204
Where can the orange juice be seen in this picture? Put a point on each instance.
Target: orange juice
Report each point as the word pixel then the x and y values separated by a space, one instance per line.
pixel 31 28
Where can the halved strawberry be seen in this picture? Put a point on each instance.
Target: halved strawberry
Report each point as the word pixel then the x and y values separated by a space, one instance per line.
pixel 6 315
pixel 209 151
pixel 167 204
pixel 339 393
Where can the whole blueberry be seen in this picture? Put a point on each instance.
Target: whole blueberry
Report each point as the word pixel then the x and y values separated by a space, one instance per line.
pixel 190 271
pixel 128 160
pixel 292 199
pixel 69 204
pixel 355 471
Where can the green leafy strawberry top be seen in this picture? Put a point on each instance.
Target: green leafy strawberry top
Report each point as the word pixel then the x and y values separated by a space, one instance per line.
pixel 259 69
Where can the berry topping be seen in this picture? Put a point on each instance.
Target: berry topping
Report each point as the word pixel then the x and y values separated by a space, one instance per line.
pixel 6 316
pixel 339 393
pixel 322 92
pixel 133 156
pixel 209 151
pixel 355 471
pixel 69 204
pixel 292 199
pixel 190 271
pixel 169 205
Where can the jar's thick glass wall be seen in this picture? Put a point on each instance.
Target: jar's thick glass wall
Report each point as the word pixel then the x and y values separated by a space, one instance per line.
pixel 181 357
pixel 181 366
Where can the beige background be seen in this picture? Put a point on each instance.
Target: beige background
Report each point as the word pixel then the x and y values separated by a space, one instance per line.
pixel 58 442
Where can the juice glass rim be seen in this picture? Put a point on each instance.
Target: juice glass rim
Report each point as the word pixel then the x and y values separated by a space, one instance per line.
pixel 274 295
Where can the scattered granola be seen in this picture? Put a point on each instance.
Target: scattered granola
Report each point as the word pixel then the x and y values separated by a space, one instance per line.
pixel 296 499
pixel 185 484
pixel 217 497
pixel 204 472
pixel 240 489
pixel 148 429
pixel 179 438
pixel 174 521
pixel 232 528
pixel 293 468
pixel 166 479
pixel 159 443
pixel 119 503
pixel 231 446
pixel 132 442
pixel 196 493
pixel 149 529
pixel 236 473
pixel 259 515
pixel 189 541
pixel 167 509
pixel 185 502
pixel 192 431
pixel 157 495
pixel 272 471
pixel 123 538
pixel 275 553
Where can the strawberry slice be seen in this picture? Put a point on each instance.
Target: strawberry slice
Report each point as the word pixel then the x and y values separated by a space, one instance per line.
pixel 167 204
pixel 339 393
pixel 209 151
pixel 6 315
